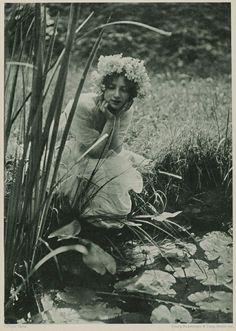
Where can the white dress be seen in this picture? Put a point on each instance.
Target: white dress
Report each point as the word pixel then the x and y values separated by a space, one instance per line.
pixel 115 174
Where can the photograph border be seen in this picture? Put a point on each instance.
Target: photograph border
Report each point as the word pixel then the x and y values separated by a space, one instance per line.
pixel 98 327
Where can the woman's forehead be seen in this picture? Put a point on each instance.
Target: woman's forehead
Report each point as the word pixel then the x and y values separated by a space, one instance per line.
pixel 119 80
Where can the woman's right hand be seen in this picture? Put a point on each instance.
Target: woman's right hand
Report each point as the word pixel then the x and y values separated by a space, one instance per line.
pixel 103 106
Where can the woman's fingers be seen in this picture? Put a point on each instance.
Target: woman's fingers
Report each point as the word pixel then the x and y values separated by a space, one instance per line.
pixel 103 106
pixel 104 109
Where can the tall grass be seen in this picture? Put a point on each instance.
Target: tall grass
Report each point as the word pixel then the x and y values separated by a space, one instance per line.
pixel 187 129
pixel 35 161
pixel 27 200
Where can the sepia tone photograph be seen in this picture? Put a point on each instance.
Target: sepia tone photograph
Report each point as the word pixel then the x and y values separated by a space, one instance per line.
pixel 118 163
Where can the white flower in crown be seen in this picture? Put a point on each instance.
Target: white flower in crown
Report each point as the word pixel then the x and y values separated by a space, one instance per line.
pixel 134 70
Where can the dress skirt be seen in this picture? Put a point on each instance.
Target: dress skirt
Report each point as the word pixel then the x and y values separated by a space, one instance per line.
pixel 111 179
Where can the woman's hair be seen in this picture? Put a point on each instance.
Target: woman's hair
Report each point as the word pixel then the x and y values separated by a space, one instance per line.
pixel 131 86
pixel 132 69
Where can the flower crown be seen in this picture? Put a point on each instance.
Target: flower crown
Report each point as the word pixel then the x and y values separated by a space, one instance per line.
pixel 134 70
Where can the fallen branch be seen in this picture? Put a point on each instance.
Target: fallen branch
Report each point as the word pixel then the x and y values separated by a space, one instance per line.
pixel 132 296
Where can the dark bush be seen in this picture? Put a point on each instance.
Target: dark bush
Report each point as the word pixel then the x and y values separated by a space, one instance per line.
pixel 200 41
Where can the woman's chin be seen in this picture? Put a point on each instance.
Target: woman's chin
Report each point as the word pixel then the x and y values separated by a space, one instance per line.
pixel 114 108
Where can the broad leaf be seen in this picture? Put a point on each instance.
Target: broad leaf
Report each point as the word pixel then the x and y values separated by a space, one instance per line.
pixel 215 301
pixel 67 232
pixel 161 314
pixel 196 269
pixel 99 310
pixel 180 314
pixel 223 275
pixel 175 250
pixel 76 295
pixel 153 282
pixel 176 314
pixel 99 260
pixel 139 255
pixel 107 224
pixel 215 244
pixel 162 217
pixel 66 316
pixel 52 313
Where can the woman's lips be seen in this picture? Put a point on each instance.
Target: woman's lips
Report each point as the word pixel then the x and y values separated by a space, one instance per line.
pixel 115 102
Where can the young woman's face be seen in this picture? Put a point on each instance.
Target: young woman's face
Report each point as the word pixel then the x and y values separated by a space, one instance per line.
pixel 116 93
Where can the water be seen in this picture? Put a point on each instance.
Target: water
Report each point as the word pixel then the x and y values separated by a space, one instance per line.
pixel 184 281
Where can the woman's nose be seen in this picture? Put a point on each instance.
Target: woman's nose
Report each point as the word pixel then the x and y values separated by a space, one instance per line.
pixel 116 92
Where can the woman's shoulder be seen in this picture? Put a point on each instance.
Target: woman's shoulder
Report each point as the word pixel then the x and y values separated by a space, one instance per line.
pixel 87 102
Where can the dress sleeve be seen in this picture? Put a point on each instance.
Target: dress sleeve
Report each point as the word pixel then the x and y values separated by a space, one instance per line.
pixel 82 127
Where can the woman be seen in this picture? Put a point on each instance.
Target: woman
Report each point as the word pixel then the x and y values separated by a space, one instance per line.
pixel 107 166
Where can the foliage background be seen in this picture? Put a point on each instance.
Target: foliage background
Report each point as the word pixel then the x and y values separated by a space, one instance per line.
pixel 200 42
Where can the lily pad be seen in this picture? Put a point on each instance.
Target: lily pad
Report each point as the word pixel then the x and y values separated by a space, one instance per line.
pixel 226 256
pixel 178 250
pixel 161 314
pixel 153 282
pixel 220 276
pixel 196 269
pixel 180 314
pixel 215 244
pixel 99 310
pixel 47 302
pixel 176 314
pixel 87 312
pixel 215 301
pixel 67 316
pixel 139 255
pixel 99 260
pixel 76 295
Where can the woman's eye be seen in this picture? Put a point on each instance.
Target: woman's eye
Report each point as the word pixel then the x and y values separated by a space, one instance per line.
pixel 111 87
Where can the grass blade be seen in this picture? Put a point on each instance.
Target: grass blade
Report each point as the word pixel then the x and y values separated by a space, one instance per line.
pixel 74 105
pixel 63 249
pixel 54 114
pixel 142 25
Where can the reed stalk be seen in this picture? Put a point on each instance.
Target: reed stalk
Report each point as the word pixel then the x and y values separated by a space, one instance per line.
pixel 35 170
